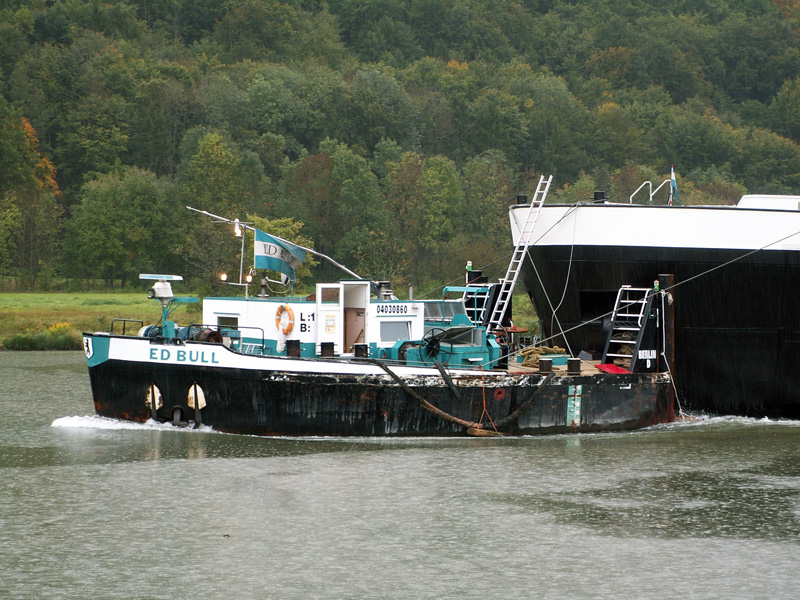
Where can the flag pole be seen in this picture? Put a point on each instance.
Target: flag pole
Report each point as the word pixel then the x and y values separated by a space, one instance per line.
pixel 314 252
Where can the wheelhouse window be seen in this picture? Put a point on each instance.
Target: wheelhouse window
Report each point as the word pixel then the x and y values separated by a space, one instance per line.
pixel 391 331
pixel 443 311
pixel 227 322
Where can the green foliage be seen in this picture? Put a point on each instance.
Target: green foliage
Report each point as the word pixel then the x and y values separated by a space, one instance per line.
pixel 278 31
pixel 301 105
pixel 10 219
pixel 425 200
pixel 210 176
pixel 29 213
pixel 19 159
pixel 785 109
pixel 60 336
pixel 159 113
pixel 95 139
pixel 395 131
pixel 124 223
pixel 43 341
pixel 379 108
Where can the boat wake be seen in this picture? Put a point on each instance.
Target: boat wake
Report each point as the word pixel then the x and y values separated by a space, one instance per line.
pixel 97 422
pixel 704 420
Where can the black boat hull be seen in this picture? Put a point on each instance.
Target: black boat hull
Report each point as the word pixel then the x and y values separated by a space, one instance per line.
pixel 737 316
pixel 291 402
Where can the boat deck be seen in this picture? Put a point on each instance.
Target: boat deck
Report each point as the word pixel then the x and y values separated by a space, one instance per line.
pixel 588 367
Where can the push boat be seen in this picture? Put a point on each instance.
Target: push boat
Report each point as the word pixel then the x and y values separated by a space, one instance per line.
pixel 737 316
pixel 351 359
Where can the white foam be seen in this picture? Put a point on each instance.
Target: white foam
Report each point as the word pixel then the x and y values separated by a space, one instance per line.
pixel 704 420
pixel 97 422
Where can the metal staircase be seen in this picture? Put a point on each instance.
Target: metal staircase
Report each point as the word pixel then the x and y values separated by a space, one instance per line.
pixel 475 302
pixel 510 280
pixel 629 321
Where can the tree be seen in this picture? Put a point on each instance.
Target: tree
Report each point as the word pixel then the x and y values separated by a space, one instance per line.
pixel 767 162
pixel 29 213
pixel 161 113
pixel 15 26
pixel 424 197
pixel 626 180
pixel 309 194
pixel 302 106
pixel 334 186
pixel 691 137
pixel 482 226
pixel 124 222
pixel 360 206
pixel 579 191
pixel 95 139
pixel 758 52
pixel 710 186
pixel 386 152
pixel 218 177
pixel 377 30
pixel 785 109
pixel 496 122
pixel 378 107
pixel 487 181
pixel 555 123
pixel 619 138
pixel 278 32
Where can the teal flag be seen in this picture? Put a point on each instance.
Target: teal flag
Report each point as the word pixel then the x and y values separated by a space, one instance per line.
pixel 277 255
pixel 673 195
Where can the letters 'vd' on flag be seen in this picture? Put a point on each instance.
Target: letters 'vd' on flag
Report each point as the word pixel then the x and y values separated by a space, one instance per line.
pixel 673 187
pixel 277 255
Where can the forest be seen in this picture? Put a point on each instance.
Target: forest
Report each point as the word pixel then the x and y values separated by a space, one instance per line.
pixel 391 135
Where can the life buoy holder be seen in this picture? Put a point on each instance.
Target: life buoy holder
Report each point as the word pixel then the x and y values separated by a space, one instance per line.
pixel 284 309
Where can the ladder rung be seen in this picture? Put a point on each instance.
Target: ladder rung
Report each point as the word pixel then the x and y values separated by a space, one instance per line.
pixel 624 341
pixel 526 230
pixel 627 329
pixel 620 355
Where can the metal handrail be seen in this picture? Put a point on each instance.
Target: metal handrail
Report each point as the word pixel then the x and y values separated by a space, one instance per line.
pixel 652 191
pixel 229 328
pixel 125 323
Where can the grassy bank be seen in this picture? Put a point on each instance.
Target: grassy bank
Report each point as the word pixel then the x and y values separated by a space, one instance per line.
pixel 54 321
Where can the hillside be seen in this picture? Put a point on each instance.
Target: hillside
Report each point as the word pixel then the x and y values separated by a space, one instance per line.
pixel 390 134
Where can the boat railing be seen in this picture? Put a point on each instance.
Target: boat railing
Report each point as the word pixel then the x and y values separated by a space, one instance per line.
pixel 237 341
pixel 649 185
pixel 125 324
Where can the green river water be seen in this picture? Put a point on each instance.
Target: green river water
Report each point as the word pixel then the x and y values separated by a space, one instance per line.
pixel 95 508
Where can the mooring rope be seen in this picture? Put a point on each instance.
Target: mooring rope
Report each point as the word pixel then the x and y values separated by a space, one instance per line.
pixel 471 427
pixel 514 416
pixel 424 403
pixel 483 390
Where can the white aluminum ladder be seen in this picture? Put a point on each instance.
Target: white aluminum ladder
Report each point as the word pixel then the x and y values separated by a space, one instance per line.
pixel 627 324
pixel 510 280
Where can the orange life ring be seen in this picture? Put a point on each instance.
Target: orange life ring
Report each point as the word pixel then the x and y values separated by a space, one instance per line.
pixel 283 308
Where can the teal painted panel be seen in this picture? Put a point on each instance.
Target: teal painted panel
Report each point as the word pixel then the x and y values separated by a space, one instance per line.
pixel 574 396
pixel 96 349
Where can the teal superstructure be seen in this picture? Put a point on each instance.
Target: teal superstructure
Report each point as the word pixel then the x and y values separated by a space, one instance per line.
pixel 354 318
